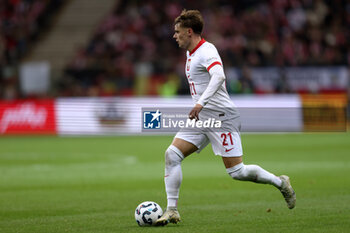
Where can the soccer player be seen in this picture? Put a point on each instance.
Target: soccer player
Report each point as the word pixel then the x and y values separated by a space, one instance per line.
pixel 206 78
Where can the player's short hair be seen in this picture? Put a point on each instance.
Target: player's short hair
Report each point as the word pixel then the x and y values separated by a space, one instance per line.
pixel 191 19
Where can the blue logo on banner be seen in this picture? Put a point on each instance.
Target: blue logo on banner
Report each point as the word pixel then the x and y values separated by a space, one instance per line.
pixel 151 119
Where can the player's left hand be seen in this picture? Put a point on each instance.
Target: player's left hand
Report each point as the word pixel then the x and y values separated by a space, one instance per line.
pixel 194 114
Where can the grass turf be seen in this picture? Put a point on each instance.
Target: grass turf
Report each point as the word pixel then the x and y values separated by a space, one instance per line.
pixel 51 184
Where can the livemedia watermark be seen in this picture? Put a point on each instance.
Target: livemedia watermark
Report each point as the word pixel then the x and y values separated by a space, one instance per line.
pixel 259 120
pixel 174 119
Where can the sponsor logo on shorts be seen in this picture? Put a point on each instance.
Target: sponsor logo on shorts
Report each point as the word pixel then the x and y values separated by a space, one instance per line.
pixel 227 150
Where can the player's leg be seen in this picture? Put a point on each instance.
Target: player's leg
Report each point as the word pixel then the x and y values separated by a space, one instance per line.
pixel 176 152
pixel 229 146
pixel 239 171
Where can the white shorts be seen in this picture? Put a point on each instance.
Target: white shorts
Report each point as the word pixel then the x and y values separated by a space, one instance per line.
pixel 226 143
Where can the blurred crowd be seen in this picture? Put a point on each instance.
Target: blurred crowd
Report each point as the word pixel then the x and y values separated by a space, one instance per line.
pixel 132 51
pixel 21 22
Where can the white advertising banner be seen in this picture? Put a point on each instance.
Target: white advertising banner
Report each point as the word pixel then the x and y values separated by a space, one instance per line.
pixel 118 116
pixel 270 113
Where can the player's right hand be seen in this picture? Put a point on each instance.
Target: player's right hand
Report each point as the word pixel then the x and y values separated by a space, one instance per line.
pixel 194 114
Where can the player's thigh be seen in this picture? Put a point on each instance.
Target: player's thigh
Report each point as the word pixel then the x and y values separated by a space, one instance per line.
pixel 226 143
pixel 185 147
pixel 189 142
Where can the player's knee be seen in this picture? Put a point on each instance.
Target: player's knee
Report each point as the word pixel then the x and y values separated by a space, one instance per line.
pixel 237 171
pixel 173 156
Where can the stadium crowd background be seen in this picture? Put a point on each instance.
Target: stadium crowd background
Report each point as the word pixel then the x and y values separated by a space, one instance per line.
pixel 21 24
pixel 132 53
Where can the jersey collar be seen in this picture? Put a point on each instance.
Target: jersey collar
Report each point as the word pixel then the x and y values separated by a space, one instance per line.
pixel 198 45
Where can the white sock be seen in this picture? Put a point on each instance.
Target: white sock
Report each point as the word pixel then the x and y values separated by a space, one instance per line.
pixel 253 173
pixel 173 174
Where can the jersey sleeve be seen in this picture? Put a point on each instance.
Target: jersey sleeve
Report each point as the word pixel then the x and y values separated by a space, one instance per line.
pixel 213 64
pixel 211 58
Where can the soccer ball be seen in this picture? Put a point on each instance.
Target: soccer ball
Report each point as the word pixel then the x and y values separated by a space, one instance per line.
pixel 147 213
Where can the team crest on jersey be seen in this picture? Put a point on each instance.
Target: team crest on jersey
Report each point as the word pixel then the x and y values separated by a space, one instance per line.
pixel 188 64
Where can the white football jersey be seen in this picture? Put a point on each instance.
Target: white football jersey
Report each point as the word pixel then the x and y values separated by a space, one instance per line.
pixel 199 62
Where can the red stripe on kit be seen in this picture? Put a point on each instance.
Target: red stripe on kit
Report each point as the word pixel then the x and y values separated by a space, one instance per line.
pixel 198 45
pixel 213 64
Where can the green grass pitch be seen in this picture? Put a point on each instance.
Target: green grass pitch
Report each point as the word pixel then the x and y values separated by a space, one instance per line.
pixel 93 184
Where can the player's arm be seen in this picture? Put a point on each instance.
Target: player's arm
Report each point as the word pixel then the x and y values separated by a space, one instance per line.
pixel 217 77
